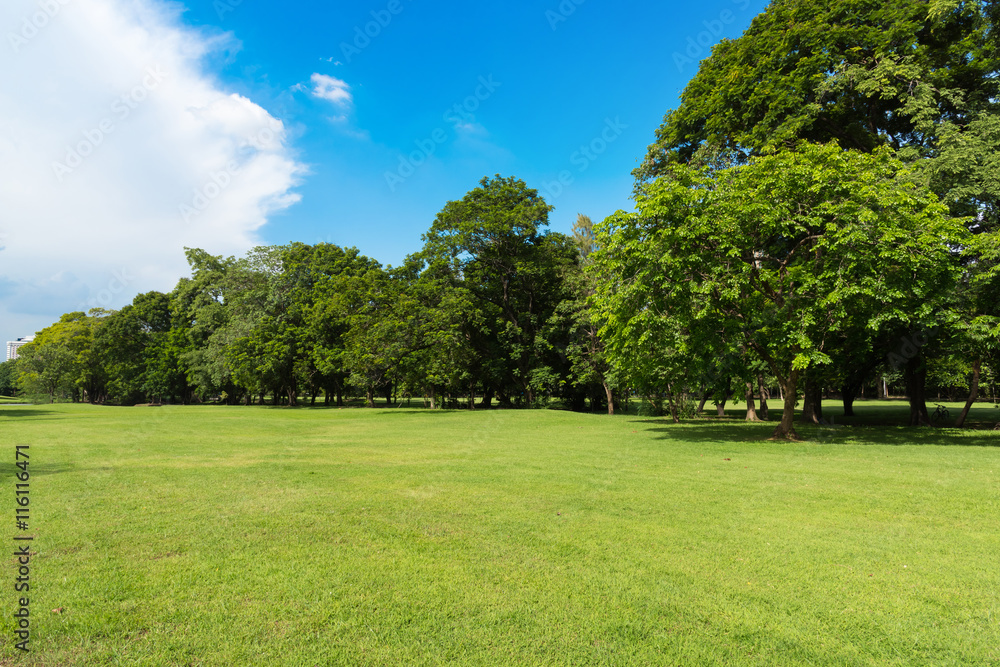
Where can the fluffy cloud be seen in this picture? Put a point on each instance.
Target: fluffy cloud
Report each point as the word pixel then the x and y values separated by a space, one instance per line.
pixel 333 90
pixel 117 150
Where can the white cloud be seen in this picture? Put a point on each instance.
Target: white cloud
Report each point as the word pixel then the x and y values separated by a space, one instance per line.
pixel 332 90
pixel 117 150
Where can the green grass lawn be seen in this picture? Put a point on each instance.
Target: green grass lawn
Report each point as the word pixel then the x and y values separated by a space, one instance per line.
pixel 272 536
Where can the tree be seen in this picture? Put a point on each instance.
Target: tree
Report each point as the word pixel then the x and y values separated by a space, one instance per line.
pixel 583 236
pixel 775 254
pixel 493 243
pixel 8 377
pixel 384 327
pixel 198 312
pixel 315 273
pixel 584 349
pixel 918 76
pixel 59 361
pixel 120 347
pixel 979 308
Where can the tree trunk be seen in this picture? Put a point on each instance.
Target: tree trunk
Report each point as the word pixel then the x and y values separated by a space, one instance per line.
pixel 847 394
pixel 785 430
pixel 370 397
pixel 720 408
pixel 472 397
pixel 812 401
pixel 973 394
pixel 487 398
pixel 751 409
pixel 706 394
pixel 611 400
pixel 915 376
pixel 672 403
pixel 764 412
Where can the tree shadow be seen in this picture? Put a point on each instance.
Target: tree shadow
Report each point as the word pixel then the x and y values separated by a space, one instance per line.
pixel 837 434
pixel 21 414
pixel 38 469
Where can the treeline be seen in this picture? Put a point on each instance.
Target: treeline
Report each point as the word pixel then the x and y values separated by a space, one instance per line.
pixel 819 217
pixel 492 309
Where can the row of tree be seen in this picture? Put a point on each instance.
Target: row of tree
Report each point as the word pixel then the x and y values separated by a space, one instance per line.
pixel 821 211
pixel 492 308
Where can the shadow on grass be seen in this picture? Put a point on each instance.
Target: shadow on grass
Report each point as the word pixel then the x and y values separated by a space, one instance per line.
pixel 735 431
pixel 21 414
pixel 7 470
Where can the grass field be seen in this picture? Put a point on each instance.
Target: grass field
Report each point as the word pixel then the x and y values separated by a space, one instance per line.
pixel 273 536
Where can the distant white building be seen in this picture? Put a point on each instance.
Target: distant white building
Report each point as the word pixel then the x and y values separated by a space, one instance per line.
pixel 12 346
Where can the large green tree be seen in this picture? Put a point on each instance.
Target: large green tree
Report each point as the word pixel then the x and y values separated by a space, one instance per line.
pixel 919 76
pixel 494 243
pixel 776 256
pixel 59 362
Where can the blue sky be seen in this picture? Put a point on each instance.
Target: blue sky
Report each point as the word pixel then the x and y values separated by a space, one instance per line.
pixel 229 123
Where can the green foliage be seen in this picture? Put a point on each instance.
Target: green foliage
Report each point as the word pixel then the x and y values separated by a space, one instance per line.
pixel 774 257
pixel 8 377
pixel 909 74
pixel 58 364
pixel 493 245
pixel 583 236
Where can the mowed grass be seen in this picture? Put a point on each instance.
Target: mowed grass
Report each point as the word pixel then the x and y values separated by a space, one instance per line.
pixel 275 536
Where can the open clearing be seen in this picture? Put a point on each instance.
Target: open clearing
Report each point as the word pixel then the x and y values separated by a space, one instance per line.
pixel 235 536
